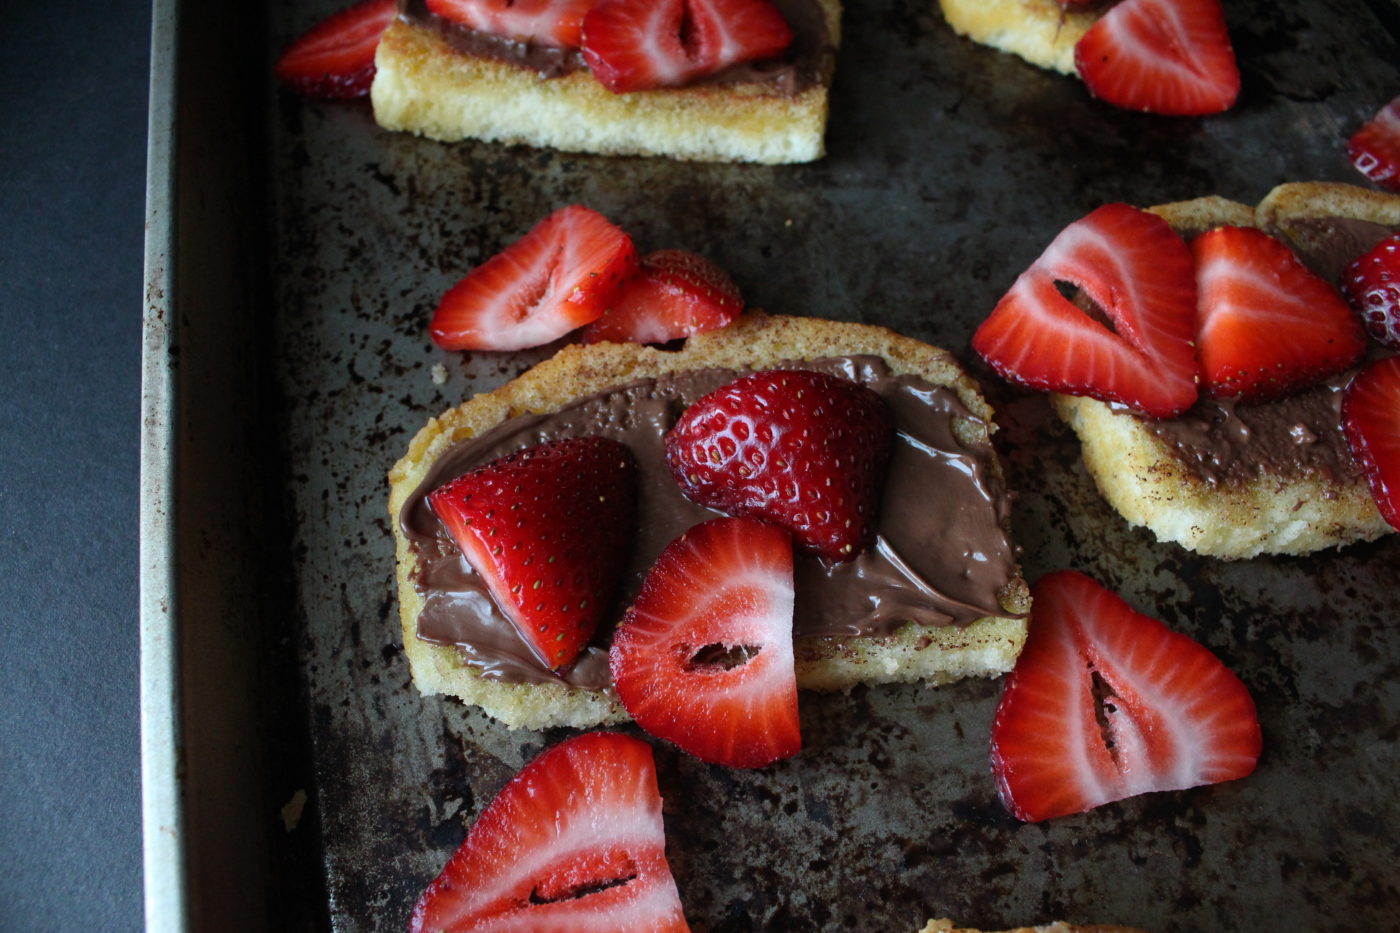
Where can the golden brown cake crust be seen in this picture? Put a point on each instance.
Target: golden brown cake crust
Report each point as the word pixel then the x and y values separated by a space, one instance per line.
pixel 1040 31
pixel 422 85
pixel 987 647
pixel 1298 199
pixel 1149 485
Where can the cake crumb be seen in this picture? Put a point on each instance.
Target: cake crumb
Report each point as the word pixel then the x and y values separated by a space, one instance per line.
pixel 439 374
pixel 293 809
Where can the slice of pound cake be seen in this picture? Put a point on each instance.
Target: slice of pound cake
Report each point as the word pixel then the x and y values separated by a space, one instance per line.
pixel 746 81
pixel 1043 32
pixel 1248 456
pixel 935 596
pixel 1161 56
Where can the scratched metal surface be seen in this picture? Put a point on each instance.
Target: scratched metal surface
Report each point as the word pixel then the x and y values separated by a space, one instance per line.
pixel 950 168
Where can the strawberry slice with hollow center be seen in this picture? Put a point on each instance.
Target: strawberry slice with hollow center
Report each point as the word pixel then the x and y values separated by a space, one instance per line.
pixel 1106 703
pixel 559 276
pixel 555 23
pixel 1266 324
pixel 1371 419
pixel 704 657
pixel 548 529
pixel 674 294
pixel 1163 56
pixel 1375 148
pixel 803 450
pixel 639 45
pixel 335 58
pixel 1139 273
pixel 575 841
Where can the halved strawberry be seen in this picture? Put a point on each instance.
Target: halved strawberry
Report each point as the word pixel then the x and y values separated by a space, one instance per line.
pixel 1266 324
pixel 1371 285
pixel 1139 273
pixel 1375 148
pixel 638 45
pixel 559 276
pixel 335 58
pixel 674 294
pixel 803 450
pixel 556 23
pixel 1162 56
pixel 548 529
pixel 1371 417
pixel 574 842
pixel 1107 703
pixel 704 657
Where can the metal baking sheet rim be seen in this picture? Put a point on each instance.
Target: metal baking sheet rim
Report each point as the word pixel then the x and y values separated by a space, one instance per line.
pixel 161 787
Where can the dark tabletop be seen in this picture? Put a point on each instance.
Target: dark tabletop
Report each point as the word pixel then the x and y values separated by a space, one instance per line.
pixel 72 188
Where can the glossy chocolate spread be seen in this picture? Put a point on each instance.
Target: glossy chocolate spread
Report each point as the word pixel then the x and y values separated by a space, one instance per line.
pixel 801 67
pixel 941 552
pixel 1225 441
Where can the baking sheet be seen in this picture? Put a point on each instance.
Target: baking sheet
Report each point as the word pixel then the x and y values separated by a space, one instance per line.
pixel 950 167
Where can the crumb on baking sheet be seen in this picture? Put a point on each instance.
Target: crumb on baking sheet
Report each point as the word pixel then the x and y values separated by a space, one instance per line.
pixel 293 809
pixel 439 374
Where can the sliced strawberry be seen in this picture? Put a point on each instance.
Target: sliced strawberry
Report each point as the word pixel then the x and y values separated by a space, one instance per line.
pixel 548 529
pixel 556 23
pixel 638 45
pixel 1371 417
pixel 1375 148
pixel 1371 285
pixel 574 842
pixel 335 59
pixel 1107 703
pixel 1163 56
pixel 803 450
pixel 674 294
pixel 559 276
pixel 704 656
pixel 1139 273
pixel 1266 324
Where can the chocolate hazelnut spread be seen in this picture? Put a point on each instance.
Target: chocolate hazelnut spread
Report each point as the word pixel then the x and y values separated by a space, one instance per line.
pixel 940 557
pixel 1228 442
pixel 802 66
pixel 1326 245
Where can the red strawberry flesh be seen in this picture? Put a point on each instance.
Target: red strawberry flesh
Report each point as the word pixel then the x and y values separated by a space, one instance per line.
pixel 674 294
pixel 559 276
pixel 1107 703
pixel 573 842
pixel 704 657
pixel 1371 285
pixel 1375 148
pixel 555 23
pixel 637 45
pixel 1371 419
pixel 1266 325
pixel 548 529
pixel 1139 273
pixel 335 58
pixel 804 450
pixel 1170 57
